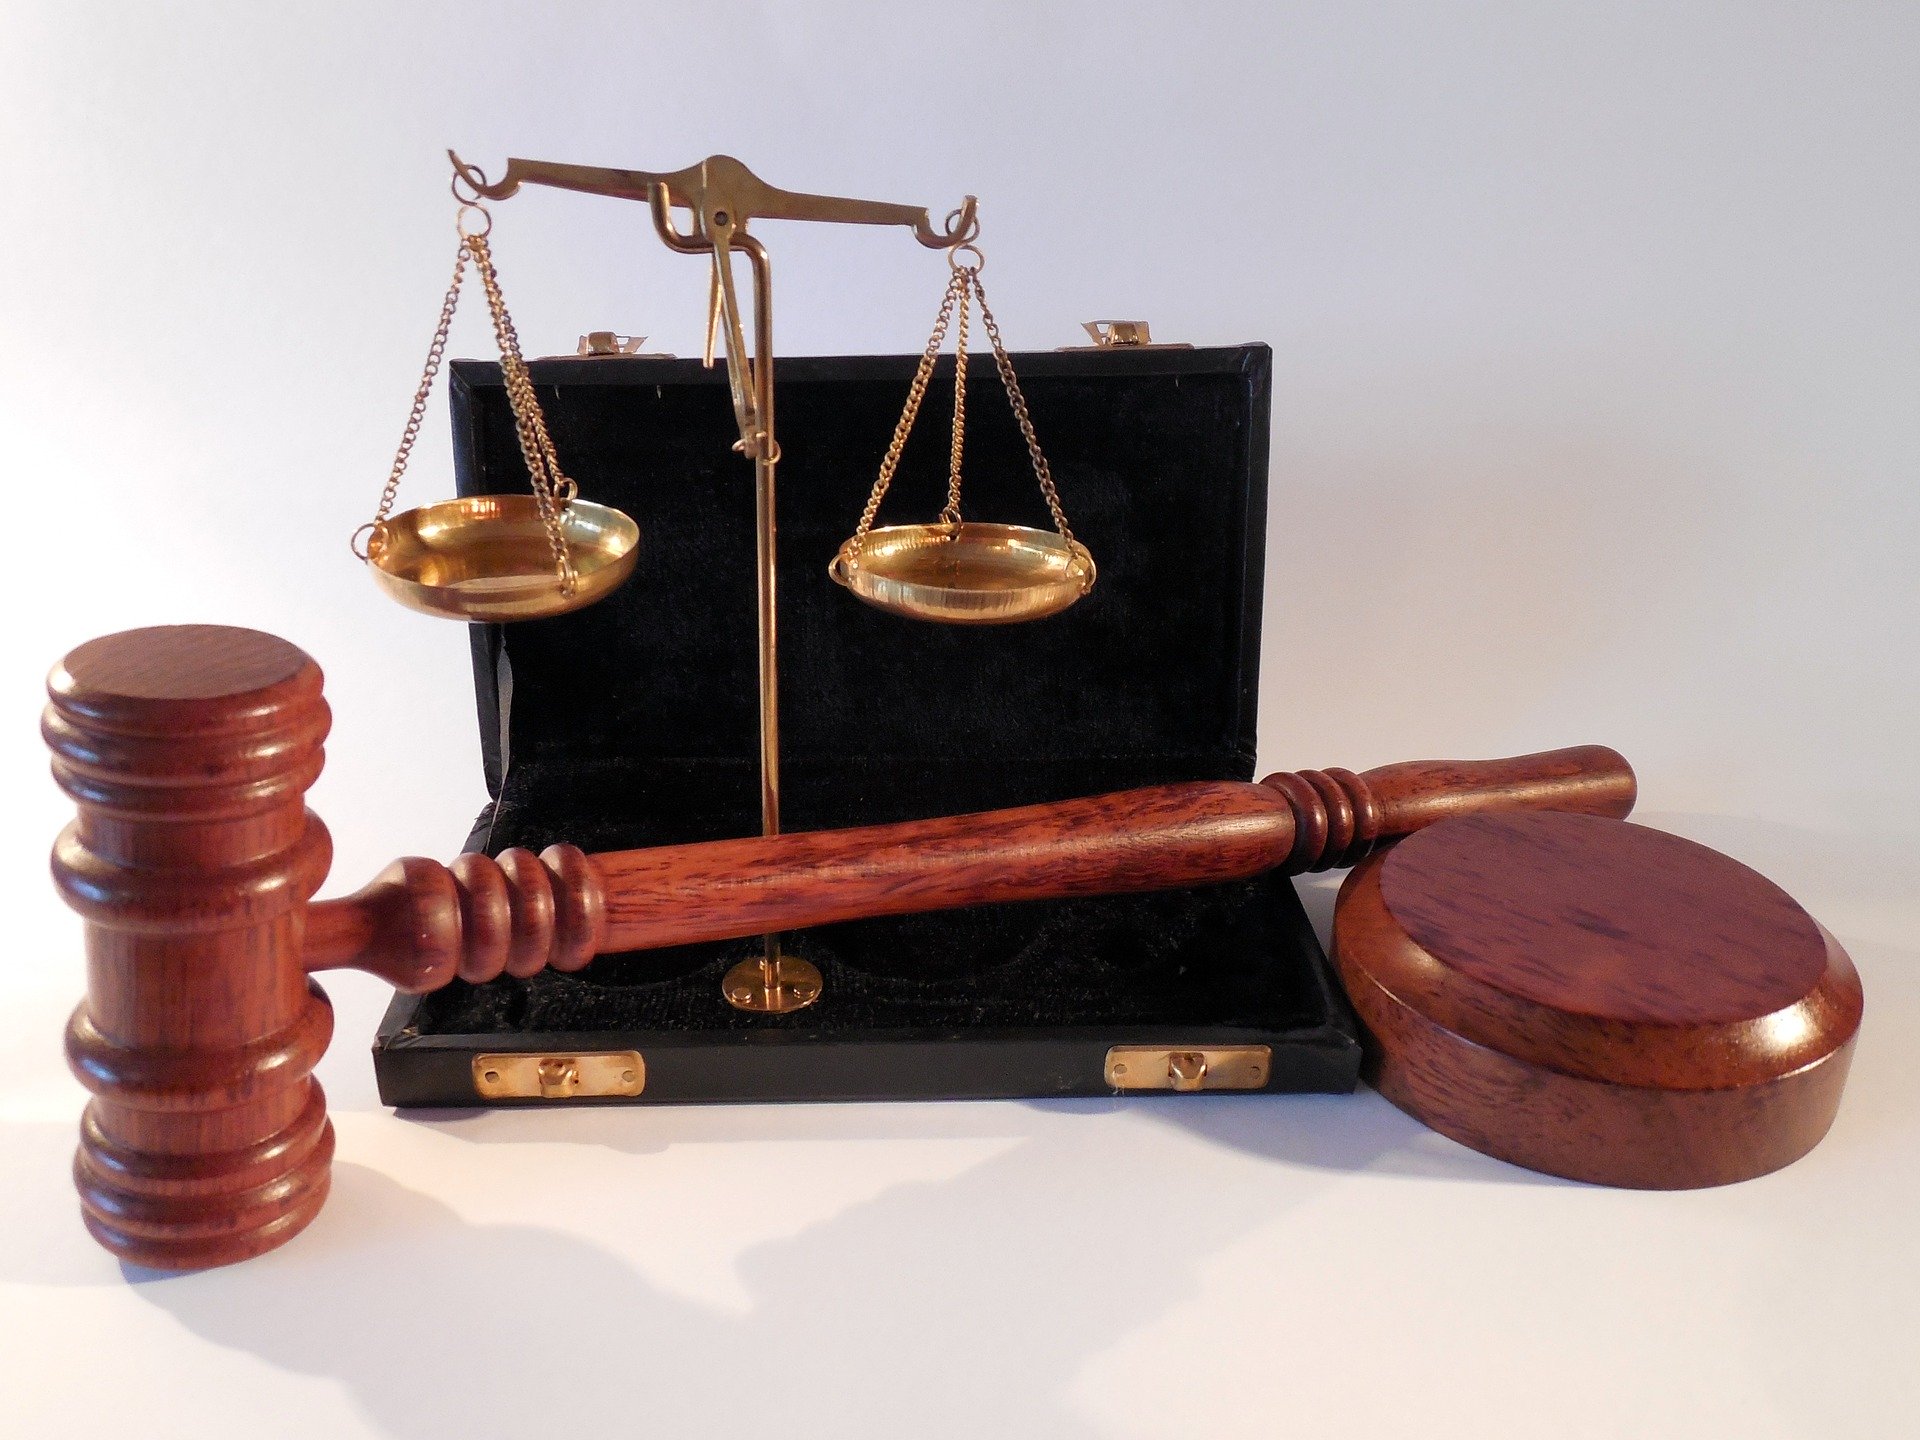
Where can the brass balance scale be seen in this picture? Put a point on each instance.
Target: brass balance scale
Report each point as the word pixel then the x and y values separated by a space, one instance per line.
pixel 499 558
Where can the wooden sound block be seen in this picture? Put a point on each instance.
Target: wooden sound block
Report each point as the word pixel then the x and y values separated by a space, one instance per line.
pixel 1596 999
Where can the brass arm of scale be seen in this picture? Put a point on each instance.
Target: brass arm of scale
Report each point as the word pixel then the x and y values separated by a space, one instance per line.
pixel 719 183
pixel 421 924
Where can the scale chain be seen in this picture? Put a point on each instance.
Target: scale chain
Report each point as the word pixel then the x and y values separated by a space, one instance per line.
pixel 1041 469
pixel 553 491
pixel 964 289
pixel 915 394
pixel 417 415
pixel 951 515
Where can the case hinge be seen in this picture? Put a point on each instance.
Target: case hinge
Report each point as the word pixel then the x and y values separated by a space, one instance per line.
pixel 559 1077
pixel 1188 1067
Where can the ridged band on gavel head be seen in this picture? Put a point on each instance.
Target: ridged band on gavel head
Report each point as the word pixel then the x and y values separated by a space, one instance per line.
pixel 1336 820
pixel 189 1208
pixel 187 751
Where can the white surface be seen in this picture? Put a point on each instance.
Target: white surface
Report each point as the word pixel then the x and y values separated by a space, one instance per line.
pixel 1597 418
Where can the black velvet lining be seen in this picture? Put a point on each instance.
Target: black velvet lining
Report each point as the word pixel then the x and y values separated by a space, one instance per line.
pixel 1160 460
pixel 634 722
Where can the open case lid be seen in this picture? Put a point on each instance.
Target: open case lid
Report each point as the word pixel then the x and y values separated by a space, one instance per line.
pixel 635 722
pixel 1160 457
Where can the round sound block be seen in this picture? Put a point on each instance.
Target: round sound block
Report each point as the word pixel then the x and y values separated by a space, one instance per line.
pixel 1596 1000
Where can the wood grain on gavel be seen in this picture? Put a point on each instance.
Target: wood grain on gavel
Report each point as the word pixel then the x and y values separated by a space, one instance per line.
pixel 188 751
pixel 1597 1000
pixel 421 923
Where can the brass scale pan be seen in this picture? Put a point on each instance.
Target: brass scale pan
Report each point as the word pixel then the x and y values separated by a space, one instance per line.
pixel 487 557
pixel 957 571
pixel 966 574
pixel 490 557
pixel 495 557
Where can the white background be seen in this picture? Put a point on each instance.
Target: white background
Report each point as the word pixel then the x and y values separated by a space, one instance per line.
pixel 1597 417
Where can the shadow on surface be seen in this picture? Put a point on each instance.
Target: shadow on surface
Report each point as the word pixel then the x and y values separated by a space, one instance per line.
pixel 1028 1266
pixel 876 1318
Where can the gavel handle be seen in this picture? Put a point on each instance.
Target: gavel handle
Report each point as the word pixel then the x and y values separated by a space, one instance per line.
pixel 420 924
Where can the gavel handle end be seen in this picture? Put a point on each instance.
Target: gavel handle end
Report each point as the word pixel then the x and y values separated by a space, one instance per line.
pixel 1582 780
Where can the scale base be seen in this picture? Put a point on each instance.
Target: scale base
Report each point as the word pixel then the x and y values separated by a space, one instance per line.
pixel 776 985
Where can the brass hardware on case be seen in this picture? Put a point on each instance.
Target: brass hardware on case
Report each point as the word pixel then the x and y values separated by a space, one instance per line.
pixel 1107 333
pixel 559 1077
pixel 1192 1067
pixel 598 343
pixel 1187 1069
pixel 1124 335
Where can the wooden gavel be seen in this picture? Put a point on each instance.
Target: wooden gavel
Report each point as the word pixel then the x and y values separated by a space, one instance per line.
pixel 188 751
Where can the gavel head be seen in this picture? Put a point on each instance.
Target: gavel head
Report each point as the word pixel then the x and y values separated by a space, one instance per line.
pixel 188 751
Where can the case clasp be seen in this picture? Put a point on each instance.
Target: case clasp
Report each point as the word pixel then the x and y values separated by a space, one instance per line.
pixel 1113 334
pixel 606 342
pixel 603 344
pixel 1188 1067
pixel 559 1077
pixel 1123 335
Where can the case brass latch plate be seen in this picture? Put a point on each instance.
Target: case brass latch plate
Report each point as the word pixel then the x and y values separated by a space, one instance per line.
pixel 1188 1067
pixel 559 1077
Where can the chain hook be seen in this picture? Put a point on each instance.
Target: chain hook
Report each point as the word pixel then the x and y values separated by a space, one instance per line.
pixel 472 176
pixel 963 223
pixel 979 260
pixel 553 490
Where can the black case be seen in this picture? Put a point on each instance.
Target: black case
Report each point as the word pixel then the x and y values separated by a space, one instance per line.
pixel 633 722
